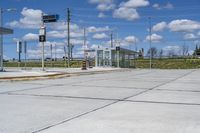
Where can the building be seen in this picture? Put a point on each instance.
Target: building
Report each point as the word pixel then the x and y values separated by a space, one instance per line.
pixel 115 57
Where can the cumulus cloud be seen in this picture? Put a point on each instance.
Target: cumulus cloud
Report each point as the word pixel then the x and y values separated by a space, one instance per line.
pixel 172 50
pixel 166 6
pixel 100 36
pixel 126 13
pixel 30 37
pixel 159 27
pixel 190 36
pixel 135 3
pixel 105 7
pixel 131 39
pixel 100 1
pixel 101 15
pixel 93 29
pixel 184 25
pixel 31 19
pixel 57 34
pixel 154 38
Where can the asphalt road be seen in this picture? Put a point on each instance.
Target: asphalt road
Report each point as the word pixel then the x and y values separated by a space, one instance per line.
pixel 131 101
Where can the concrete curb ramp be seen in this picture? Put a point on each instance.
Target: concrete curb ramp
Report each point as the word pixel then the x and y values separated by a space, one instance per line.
pixel 52 76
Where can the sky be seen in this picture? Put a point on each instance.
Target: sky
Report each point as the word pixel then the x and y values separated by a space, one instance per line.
pixel 174 24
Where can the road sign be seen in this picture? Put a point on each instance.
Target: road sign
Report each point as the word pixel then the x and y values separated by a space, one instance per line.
pixel 42 38
pixel 117 48
pixel 5 31
pixel 19 46
pixel 50 18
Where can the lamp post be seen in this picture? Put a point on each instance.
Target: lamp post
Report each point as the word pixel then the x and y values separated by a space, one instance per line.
pixel 150 41
pixel 1 36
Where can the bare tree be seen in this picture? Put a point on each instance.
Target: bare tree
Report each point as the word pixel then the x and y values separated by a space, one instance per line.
pixel 153 52
pixel 185 49
pixel 160 53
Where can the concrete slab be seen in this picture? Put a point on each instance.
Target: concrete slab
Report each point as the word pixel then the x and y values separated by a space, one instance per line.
pixel 83 92
pixel 126 117
pixel 14 86
pixel 181 86
pixel 23 114
pixel 169 97
pixel 97 103
pixel 126 84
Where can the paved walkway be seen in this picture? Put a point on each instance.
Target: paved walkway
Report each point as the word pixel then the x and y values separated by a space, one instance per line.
pixel 13 74
pixel 131 101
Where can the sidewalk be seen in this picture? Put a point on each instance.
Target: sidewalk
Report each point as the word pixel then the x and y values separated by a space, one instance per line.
pixel 15 74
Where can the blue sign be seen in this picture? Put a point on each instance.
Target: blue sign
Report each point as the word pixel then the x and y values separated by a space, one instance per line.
pixel 50 18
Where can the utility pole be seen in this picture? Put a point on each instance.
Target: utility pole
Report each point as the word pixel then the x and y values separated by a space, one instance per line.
pixel 84 44
pixel 68 39
pixel 55 55
pixel 1 43
pixel 25 52
pixel 72 46
pixel 1 36
pixel 65 57
pixel 150 60
pixel 111 39
pixel 51 47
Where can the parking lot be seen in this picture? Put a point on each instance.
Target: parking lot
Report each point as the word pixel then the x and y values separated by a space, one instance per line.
pixel 129 101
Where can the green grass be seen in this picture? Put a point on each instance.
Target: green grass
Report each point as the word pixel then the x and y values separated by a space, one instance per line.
pixel 138 63
pixel 169 63
pixel 74 64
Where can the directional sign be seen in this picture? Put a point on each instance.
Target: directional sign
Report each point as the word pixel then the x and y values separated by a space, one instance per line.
pixel 42 38
pixel 5 31
pixel 117 48
pixel 50 18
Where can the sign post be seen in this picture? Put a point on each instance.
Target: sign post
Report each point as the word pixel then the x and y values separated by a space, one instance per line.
pixel 25 51
pixel 19 51
pixel 42 39
pixel 42 32
pixel 118 55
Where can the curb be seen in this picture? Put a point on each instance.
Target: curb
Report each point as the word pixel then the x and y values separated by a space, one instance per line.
pixel 53 76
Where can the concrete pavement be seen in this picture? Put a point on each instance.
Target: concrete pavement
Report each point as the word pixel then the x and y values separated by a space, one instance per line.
pixel 129 101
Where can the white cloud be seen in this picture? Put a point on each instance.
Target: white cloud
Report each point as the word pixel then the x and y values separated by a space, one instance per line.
pixel 156 6
pixel 198 33
pixel 135 3
pixel 31 19
pixel 30 37
pixel 172 50
pixel 100 1
pixel 100 36
pixel 131 39
pixel 93 29
pixel 105 7
pixel 190 36
pixel 56 34
pixel 159 27
pixel 154 38
pixel 101 15
pixel 95 46
pixel 63 26
pixel 166 6
pixel 184 25
pixel 126 13
pixel 5 57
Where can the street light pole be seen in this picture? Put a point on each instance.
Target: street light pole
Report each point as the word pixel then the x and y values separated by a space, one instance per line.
pixel 150 60
pixel 1 36
pixel 1 41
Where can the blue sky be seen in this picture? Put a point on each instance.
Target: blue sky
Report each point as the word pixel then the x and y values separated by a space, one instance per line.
pixel 173 23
